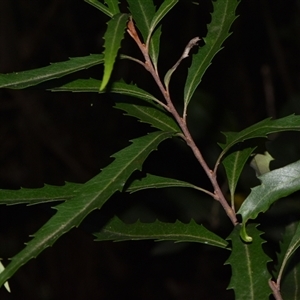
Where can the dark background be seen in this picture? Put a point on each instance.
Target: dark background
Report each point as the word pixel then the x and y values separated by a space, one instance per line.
pixel 56 137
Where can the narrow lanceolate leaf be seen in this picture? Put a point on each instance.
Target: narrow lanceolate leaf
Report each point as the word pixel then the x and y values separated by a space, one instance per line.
pixel 234 164
pixel 142 13
pixel 274 185
pixel 21 80
pixel 155 182
pixel 146 112
pixel 112 42
pixel 261 129
pixel 101 7
pixel 113 6
pixel 92 195
pixel 218 30
pixel 47 193
pixel 116 230
pixel 292 247
pixel 154 47
pixel 164 8
pixel 248 263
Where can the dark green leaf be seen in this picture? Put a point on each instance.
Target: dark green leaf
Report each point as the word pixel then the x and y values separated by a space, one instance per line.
pixel 276 184
pixel 261 129
pixel 154 47
pixel 48 193
pixel 234 164
pixel 101 7
pixel 218 30
pixel 92 195
pixel 248 262
pixel 21 80
pixel 112 43
pixel 142 12
pixel 113 6
pixel 116 230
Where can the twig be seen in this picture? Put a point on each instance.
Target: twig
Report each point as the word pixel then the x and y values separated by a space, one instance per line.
pixel 276 290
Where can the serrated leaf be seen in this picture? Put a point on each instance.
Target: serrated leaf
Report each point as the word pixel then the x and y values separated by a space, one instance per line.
pixel 92 195
pixel 101 7
pixel 248 262
pixel 275 184
pixel 112 43
pixel 151 181
pixel 142 12
pixel 234 164
pixel 116 230
pixel 147 112
pixel 261 163
pixel 47 193
pixel 24 79
pixel 290 250
pixel 218 31
pixel 260 129
pixel 113 6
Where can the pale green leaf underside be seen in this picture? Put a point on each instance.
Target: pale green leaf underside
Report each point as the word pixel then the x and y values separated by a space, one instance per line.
pixel 261 129
pixel 116 230
pixel 276 184
pixel 147 112
pixel 248 263
pixel 261 163
pixel 47 193
pixel 103 8
pixel 218 30
pixel 142 12
pixel 92 195
pixel 112 43
pixel 24 79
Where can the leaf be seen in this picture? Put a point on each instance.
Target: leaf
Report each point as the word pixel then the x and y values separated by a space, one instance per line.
pixel 234 164
pixel 6 284
pixel 101 7
pixel 290 250
pixel 164 8
pixel 153 181
pixel 275 184
pixel 218 31
pixel 113 6
pixel 142 12
pixel 116 230
pixel 21 80
pixel 260 129
pixel 261 163
pixel 248 262
pixel 112 42
pixel 92 195
pixel 154 47
pixel 47 193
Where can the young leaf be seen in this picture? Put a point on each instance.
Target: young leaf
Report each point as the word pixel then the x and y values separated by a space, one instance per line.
pixel 218 31
pixel 248 262
pixel 47 193
pixel 292 247
pixel 275 184
pixel 101 7
pixel 142 13
pixel 113 37
pixel 260 129
pixel 234 164
pixel 261 163
pixel 116 230
pixel 92 195
pixel 153 181
pixel 21 80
